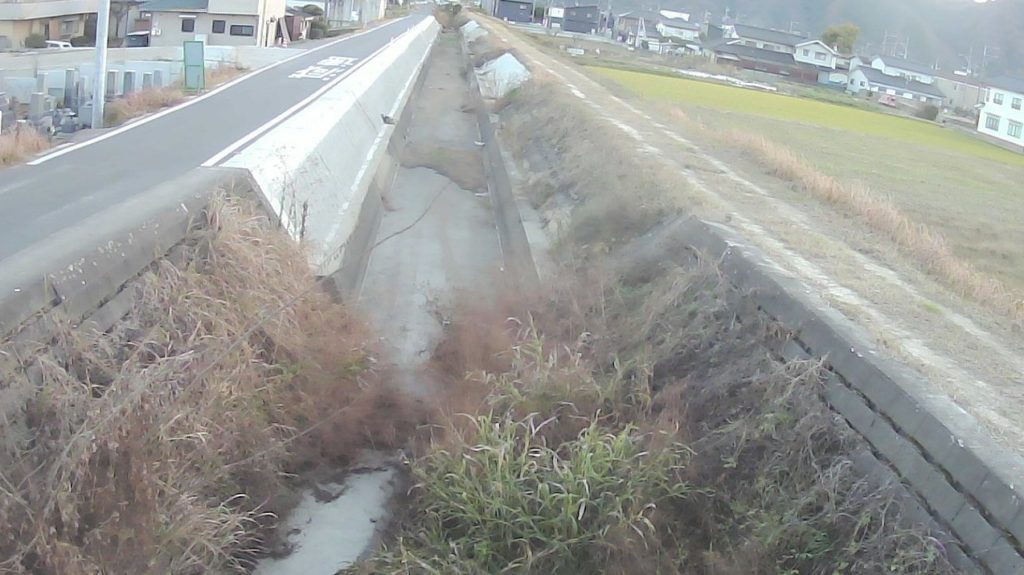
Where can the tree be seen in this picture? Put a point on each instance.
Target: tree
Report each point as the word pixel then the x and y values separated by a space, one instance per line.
pixel 841 37
pixel 313 10
pixel 35 41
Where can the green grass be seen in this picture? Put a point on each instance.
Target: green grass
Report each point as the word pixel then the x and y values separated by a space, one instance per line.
pixel 834 116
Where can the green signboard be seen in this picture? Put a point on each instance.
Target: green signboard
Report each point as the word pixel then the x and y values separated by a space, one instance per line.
pixel 195 65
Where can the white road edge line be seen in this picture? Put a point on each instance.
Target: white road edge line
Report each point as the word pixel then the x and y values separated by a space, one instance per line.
pixel 200 98
pixel 232 148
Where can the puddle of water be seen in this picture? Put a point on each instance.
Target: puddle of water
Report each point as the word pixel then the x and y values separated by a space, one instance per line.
pixel 327 536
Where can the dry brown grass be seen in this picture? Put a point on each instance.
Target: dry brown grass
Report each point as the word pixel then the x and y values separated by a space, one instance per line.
pixel 19 144
pixel 147 101
pixel 926 246
pixel 165 445
pixel 139 103
pixel 620 192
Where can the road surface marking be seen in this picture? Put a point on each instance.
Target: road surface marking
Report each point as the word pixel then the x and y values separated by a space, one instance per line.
pixel 325 69
pixel 246 139
pixel 198 99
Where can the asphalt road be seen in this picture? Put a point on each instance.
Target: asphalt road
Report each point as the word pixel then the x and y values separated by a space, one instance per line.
pixel 38 200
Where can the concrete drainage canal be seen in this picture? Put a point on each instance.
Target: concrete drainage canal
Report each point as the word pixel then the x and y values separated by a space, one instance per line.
pixel 632 400
pixel 433 240
pixel 575 378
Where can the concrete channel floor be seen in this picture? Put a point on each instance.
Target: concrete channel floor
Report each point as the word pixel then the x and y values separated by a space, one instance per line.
pixel 436 241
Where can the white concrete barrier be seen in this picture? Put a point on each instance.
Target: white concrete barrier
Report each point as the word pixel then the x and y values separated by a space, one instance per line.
pixel 314 169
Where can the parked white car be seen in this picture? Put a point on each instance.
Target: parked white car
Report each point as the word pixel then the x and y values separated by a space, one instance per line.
pixel 58 45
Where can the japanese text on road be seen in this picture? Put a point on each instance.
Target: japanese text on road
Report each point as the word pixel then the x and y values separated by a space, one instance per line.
pixel 325 69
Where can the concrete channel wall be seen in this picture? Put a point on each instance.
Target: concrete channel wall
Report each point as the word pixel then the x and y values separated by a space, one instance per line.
pixel 316 168
pixel 952 473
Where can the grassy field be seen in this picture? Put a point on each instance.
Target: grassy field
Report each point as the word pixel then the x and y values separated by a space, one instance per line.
pixel 818 113
pixel 963 188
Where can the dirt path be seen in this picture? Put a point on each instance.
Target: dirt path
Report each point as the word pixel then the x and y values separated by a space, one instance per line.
pixel 976 364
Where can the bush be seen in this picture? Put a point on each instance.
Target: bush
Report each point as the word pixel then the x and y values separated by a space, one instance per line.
pixel 35 41
pixel 316 33
pixel 509 499
pixel 927 112
pixel 546 482
pixel 20 143
pixel 81 41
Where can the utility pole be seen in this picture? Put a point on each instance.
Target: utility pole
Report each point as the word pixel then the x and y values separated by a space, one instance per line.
pixel 99 92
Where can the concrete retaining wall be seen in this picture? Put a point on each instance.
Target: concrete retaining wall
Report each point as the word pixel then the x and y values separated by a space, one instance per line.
pixel 82 277
pixel 959 476
pixel 316 167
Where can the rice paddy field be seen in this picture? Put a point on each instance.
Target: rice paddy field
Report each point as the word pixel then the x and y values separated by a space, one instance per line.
pixel 728 98
pixel 964 188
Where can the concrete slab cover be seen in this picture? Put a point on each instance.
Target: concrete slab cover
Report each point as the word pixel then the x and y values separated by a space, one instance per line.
pixel 471 31
pixel 501 75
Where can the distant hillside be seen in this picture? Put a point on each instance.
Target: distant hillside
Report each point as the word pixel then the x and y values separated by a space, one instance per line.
pixel 939 31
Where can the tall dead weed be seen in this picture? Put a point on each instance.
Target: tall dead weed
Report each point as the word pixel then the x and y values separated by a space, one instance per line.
pixel 925 245
pixel 166 444
pixel 19 144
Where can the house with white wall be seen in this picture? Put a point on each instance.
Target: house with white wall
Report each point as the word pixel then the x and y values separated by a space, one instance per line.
pixel 214 22
pixel 679 29
pixel 816 53
pixel 904 69
pixel 873 81
pixel 1002 113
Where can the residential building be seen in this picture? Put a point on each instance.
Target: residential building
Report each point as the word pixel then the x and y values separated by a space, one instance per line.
pixel 215 22
pixel 59 19
pixel 687 32
pixel 297 22
pixel 816 53
pixel 776 52
pixel 764 38
pixel 1002 114
pixel 873 81
pixel 514 10
pixel 629 24
pixel 904 69
pixel 963 92
pixel 762 60
pixel 582 19
pixel 555 16
pixel 341 13
pixel 658 42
